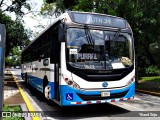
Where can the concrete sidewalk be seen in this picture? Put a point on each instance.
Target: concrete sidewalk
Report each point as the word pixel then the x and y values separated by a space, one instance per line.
pixel 11 92
pixel 12 95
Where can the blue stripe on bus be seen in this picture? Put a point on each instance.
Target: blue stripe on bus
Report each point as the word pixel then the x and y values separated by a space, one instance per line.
pixel 51 84
pixel 66 90
pixel 36 82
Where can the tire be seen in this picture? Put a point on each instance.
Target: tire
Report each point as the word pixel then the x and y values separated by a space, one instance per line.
pixel 46 89
pixel 46 92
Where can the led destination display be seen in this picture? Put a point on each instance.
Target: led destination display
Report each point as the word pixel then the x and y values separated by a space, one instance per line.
pixel 101 20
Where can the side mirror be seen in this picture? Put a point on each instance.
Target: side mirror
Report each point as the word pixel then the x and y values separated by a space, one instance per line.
pixel 61 33
pixel 45 62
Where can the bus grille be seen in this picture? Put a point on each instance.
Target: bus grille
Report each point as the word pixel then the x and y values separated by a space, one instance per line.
pixel 98 97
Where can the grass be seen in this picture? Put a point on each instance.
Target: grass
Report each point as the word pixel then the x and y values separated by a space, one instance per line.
pixel 12 109
pixel 149 83
pixel 151 79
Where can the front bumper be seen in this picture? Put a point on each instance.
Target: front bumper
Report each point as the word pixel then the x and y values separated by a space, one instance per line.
pixel 71 96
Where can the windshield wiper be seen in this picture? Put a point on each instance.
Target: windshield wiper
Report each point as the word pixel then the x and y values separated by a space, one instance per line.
pixel 116 35
pixel 113 41
pixel 88 35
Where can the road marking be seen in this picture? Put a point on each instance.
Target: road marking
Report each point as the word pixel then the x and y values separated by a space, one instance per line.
pixel 29 106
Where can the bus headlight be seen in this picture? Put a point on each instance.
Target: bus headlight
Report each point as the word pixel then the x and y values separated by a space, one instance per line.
pixel 131 80
pixel 71 83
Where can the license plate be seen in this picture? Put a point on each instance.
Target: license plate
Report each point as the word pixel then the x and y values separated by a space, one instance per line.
pixel 105 94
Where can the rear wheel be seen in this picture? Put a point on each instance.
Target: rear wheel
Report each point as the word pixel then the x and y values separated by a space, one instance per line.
pixel 47 91
pixel 46 88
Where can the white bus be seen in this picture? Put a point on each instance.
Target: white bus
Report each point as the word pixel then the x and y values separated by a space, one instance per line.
pixel 82 58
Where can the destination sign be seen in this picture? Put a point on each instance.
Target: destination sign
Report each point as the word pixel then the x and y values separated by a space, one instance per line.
pixel 85 56
pixel 101 20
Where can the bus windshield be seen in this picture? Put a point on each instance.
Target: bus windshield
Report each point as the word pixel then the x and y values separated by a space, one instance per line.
pixel 98 49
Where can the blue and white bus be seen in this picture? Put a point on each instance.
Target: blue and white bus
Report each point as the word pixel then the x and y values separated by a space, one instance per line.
pixel 82 58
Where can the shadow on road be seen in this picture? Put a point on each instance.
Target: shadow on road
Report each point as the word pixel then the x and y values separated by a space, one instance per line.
pixel 89 111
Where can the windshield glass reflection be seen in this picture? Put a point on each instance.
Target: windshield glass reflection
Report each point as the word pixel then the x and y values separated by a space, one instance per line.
pixel 97 49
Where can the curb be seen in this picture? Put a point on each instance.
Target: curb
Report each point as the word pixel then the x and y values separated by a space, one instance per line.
pixel 24 108
pixel 148 92
pixel 27 103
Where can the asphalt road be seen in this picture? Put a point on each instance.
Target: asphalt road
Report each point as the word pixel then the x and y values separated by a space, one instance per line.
pixel 142 105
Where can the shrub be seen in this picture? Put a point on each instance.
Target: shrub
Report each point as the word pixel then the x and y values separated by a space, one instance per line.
pixel 153 71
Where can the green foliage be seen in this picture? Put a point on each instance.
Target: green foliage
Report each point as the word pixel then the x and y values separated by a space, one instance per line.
pixel 48 11
pixel 153 71
pixel 16 6
pixel 153 78
pixel 155 48
pixel 8 61
pixel 84 5
pixel 15 108
pixel 16 35
pixel 61 5
pixel 14 59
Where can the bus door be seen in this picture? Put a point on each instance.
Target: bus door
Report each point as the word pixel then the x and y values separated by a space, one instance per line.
pixel 57 95
pixel 55 59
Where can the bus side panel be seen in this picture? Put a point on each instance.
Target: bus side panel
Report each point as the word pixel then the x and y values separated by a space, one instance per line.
pixel 36 73
pixel 52 91
pixel 35 78
pixel 51 82
pixel 36 82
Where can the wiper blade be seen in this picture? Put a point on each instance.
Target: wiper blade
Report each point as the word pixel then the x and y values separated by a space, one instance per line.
pixel 116 35
pixel 88 35
pixel 113 40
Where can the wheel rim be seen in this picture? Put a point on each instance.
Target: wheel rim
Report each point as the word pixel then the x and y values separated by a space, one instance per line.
pixel 47 91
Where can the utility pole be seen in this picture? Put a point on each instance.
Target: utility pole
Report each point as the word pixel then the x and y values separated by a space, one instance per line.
pixel 2 62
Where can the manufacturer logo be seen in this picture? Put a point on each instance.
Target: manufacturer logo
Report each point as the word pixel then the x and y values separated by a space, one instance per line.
pixel 69 96
pixel 105 84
